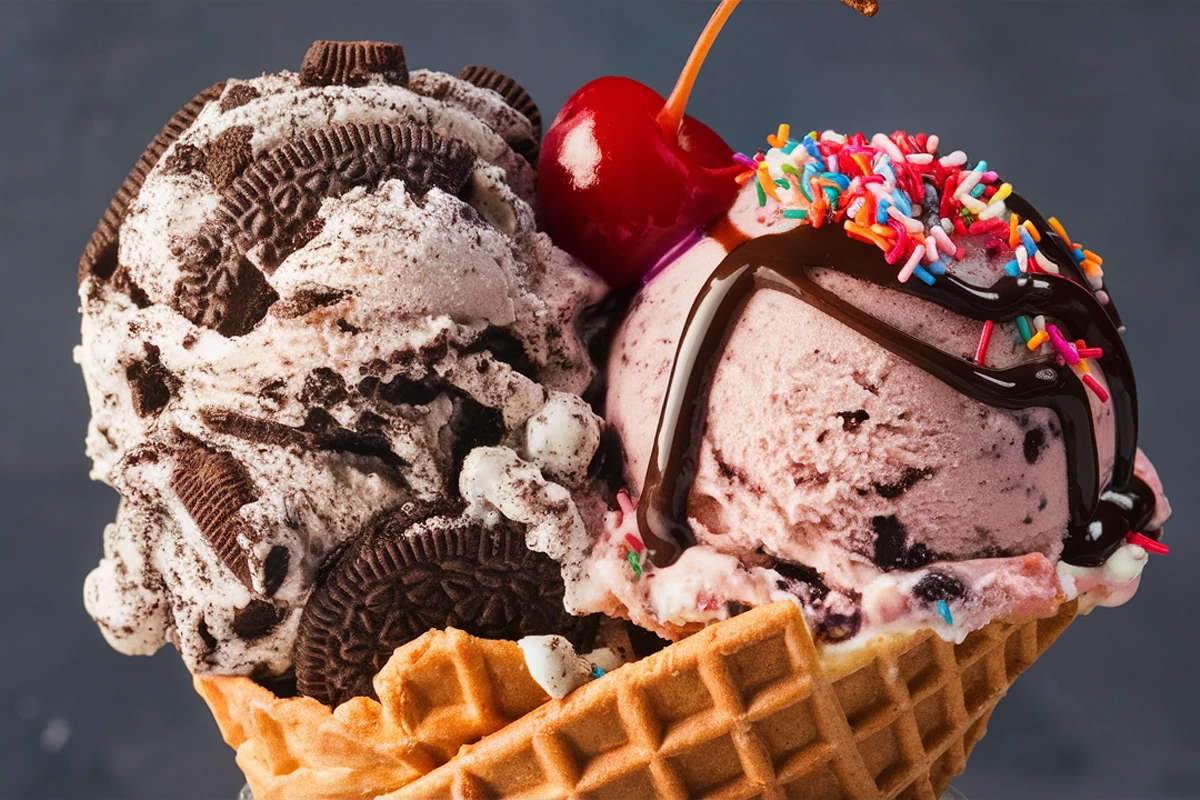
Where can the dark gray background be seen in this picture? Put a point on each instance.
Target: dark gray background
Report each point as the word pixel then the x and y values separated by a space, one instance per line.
pixel 1089 109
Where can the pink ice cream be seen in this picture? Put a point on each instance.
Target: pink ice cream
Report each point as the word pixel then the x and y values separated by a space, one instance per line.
pixel 835 473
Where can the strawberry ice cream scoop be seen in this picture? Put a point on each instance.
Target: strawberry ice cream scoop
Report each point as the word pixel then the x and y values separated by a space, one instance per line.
pixel 881 391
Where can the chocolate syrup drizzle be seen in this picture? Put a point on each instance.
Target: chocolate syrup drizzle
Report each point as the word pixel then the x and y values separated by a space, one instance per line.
pixel 1100 516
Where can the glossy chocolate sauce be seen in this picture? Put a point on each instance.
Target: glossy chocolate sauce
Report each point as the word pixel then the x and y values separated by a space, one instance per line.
pixel 1100 516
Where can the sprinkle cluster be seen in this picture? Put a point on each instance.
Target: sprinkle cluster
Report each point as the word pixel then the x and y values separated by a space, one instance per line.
pixel 632 550
pixel 897 193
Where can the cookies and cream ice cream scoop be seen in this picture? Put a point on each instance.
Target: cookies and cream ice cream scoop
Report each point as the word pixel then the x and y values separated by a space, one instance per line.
pixel 315 296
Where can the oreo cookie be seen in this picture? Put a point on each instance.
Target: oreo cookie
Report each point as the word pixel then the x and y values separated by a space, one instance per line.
pixel 512 92
pixel 273 206
pixel 252 429
pixel 212 487
pixel 219 288
pixel 517 98
pixel 319 432
pixel 417 569
pixel 100 256
pixel 353 63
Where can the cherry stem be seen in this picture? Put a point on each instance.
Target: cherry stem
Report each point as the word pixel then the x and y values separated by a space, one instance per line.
pixel 672 111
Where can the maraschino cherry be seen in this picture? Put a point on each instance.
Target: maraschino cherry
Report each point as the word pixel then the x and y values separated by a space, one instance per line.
pixel 624 177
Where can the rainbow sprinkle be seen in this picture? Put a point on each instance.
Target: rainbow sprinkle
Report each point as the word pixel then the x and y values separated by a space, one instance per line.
pixel 1147 544
pixel 944 609
pixel 985 339
pixel 899 194
pixel 1095 386
pixel 632 549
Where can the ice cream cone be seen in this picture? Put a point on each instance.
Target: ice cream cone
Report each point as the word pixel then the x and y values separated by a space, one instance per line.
pixel 749 708
pixel 347 374
pixel 743 708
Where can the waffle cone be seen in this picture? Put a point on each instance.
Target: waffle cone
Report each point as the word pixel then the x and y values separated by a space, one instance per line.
pixel 750 708
pixel 437 693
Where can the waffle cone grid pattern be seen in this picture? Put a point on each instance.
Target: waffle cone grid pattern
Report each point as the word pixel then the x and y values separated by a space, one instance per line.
pixel 743 709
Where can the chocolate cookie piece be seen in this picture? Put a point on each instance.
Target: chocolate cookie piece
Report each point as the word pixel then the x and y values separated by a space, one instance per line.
pixel 121 281
pixel 324 387
pixel 260 431
pixel 256 620
pixel 227 155
pixel 804 579
pixel 320 431
pixel 275 569
pixel 151 385
pixel 412 571
pixel 308 299
pixel 213 487
pixel 353 63
pixel 939 586
pixel 219 288
pixel 100 256
pixel 517 98
pixel 892 550
pixel 237 96
pixel 273 206
pixel 512 92
pixel 184 158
